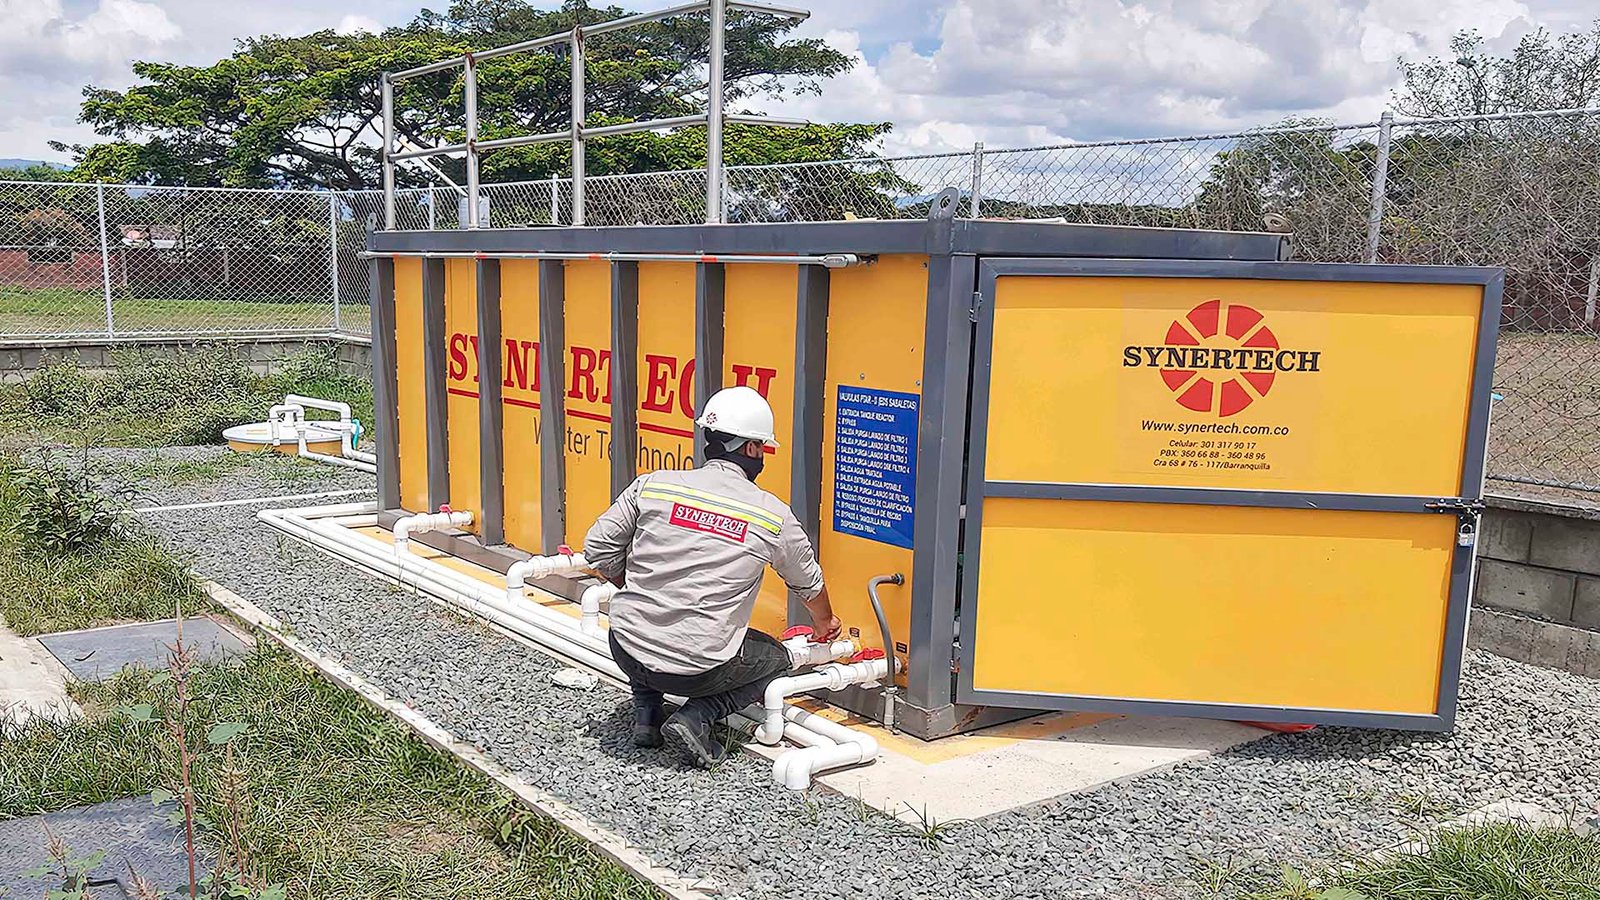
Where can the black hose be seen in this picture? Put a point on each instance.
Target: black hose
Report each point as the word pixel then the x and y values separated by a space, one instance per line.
pixel 889 689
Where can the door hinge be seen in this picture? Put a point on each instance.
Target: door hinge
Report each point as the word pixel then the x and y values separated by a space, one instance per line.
pixel 977 304
pixel 1467 511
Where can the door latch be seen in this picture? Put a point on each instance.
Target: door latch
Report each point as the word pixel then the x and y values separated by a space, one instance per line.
pixel 1468 511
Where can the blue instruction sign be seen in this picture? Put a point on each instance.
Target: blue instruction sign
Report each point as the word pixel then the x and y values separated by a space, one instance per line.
pixel 875 465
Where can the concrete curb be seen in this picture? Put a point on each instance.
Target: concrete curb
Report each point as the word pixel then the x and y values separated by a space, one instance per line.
pixel 608 843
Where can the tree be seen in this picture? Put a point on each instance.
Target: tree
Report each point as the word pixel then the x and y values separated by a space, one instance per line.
pixel 305 111
pixel 1521 191
pixel 1320 187
pixel 1542 72
pixel 37 171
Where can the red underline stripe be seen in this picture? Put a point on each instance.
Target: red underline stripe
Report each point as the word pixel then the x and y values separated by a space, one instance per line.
pixel 584 414
pixel 663 429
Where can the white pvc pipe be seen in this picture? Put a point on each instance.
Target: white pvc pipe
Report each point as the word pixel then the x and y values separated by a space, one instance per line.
pixel 346 427
pixel 250 501
pixel 405 526
pixel 284 415
pixel 824 744
pixel 589 607
pixel 537 567
pixel 771 730
pixel 341 462
pixel 834 676
pixel 529 620
pixel 804 652
pixel 333 406
pixel 545 627
pixel 305 452
pixel 327 510
pixel 796 768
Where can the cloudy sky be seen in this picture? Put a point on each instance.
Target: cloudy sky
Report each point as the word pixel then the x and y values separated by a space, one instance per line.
pixel 946 72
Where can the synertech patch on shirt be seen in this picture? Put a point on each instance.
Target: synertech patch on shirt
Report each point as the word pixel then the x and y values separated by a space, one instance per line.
pixel 704 520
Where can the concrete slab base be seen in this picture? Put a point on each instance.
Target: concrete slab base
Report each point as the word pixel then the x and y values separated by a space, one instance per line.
pixel 1018 764
pixel 96 654
pixel 133 833
pixel 965 776
pixel 32 683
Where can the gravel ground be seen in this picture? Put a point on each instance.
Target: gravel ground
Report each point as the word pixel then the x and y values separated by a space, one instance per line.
pixel 1523 733
pixel 173 475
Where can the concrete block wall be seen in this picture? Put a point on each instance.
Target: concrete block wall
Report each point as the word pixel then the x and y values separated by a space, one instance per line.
pixel 1541 560
pixel 18 360
pixel 1537 595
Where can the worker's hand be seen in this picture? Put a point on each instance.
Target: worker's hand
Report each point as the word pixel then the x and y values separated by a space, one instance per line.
pixel 825 629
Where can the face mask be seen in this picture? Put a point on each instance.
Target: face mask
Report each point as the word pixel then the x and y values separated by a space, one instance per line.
pixel 751 467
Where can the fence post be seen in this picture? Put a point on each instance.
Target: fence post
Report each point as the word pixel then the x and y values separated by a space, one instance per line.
pixel 105 258
pixel 1380 175
pixel 1594 290
pixel 555 201
pixel 975 201
pixel 333 257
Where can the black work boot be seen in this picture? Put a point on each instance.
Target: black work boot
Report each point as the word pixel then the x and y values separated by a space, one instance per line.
pixel 690 730
pixel 647 724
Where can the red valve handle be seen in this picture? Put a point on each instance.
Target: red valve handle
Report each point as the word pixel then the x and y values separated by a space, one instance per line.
pixel 869 653
pixel 444 508
pixel 797 630
pixel 563 549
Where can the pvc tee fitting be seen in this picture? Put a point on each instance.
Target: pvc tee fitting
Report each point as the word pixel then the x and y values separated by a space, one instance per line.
pixel 833 677
pixel 409 525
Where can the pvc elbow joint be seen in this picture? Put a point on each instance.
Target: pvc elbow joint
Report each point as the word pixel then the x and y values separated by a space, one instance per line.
pixel 589 607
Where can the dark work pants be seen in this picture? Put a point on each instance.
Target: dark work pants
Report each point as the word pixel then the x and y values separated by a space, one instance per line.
pixel 714 694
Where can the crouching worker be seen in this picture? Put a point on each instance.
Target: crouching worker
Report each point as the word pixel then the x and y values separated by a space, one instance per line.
pixel 687 550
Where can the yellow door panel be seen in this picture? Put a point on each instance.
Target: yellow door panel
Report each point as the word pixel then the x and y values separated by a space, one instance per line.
pixel 519 397
pixel 411 398
pixel 1283 385
pixel 758 352
pixel 461 384
pixel 1213 604
pixel 876 316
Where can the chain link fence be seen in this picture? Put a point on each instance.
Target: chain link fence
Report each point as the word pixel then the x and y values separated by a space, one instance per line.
pixel 1519 191
pixel 85 260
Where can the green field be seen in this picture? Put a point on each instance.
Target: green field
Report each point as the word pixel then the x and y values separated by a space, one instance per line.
pixel 49 312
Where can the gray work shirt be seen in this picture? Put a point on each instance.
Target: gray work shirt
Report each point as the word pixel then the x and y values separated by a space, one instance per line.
pixel 694 545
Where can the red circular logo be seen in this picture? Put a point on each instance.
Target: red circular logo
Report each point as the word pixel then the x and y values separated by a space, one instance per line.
pixel 1219 327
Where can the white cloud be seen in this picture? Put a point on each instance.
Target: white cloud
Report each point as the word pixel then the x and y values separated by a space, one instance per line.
pixel 352 24
pixel 1013 72
pixel 42 42
pixel 946 72
pixel 49 50
pixel 47 55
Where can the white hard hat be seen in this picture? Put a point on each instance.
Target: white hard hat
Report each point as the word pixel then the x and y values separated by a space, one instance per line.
pixel 741 412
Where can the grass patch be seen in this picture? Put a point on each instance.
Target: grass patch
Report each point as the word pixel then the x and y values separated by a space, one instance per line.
pixel 150 400
pixel 279 469
pixel 1491 862
pixel 53 311
pixel 65 582
pixel 327 797
pixel 338 801
pixel 1502 861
